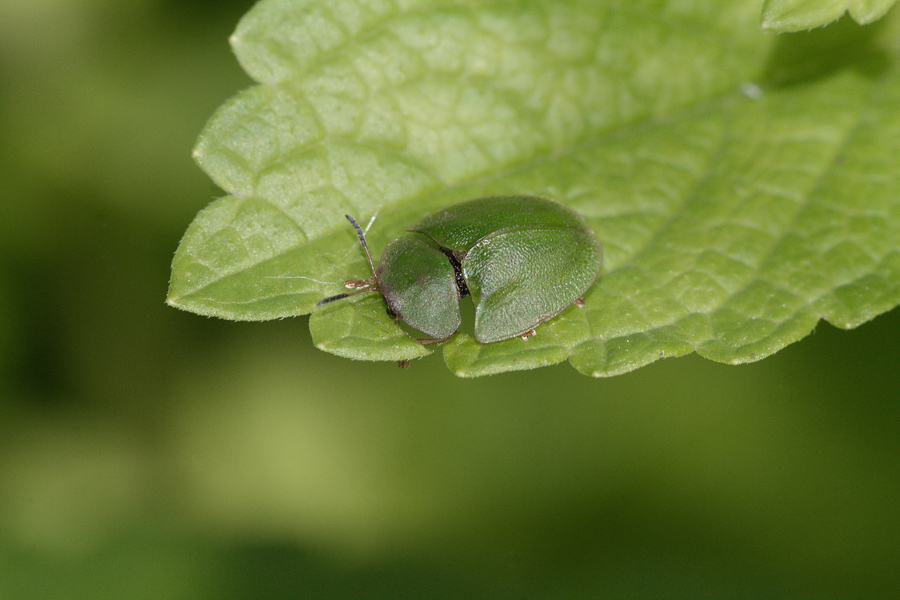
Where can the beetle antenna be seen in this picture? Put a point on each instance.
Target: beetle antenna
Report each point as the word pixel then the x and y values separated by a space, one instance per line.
pixel 362 240
pixel 361 285
pixel 371 222
pixel 342 296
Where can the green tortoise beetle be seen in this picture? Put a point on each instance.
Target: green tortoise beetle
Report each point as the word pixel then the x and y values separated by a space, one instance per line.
pixel 523 259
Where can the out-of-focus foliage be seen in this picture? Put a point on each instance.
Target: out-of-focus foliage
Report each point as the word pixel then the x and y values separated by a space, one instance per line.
pixel 150 453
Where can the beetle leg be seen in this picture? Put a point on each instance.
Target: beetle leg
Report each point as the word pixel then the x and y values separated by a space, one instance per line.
pixel 579 302
pixel 352 284
pixel 403 364
pixel 528 334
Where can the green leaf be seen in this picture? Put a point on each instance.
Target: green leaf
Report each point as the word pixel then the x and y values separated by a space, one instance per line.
pixel 797 15
pixel 743 186
pixel 360 329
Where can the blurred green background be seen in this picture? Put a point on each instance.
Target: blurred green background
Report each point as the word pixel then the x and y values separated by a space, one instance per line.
pixel 150 453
